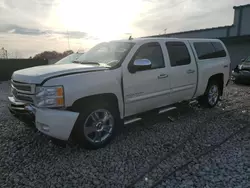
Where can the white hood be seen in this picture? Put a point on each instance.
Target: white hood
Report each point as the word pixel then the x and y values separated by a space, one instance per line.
pixel 37 74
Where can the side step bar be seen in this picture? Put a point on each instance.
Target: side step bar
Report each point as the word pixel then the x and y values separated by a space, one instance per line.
pixel 166 109
pixel 161 111
pixel 126 122
pixel 132 120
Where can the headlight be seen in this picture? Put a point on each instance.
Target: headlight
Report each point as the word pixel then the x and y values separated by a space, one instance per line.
pixel 52 96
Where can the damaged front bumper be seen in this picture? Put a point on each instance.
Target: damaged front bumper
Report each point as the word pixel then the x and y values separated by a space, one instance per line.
pixel 56 123
pixel 22 111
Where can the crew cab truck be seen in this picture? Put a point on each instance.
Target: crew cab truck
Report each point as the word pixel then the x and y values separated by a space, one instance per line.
pixel 114 82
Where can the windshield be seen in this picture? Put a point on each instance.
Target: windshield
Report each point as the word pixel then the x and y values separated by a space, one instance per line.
pixel 108 53
pixel 247 61
pixel 69 59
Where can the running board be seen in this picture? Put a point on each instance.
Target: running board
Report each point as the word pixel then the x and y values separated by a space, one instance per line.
pixel 166 110
pixel 132 120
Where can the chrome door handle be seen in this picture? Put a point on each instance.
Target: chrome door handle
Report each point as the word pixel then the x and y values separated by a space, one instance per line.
pixel 190 71
pixel 162 76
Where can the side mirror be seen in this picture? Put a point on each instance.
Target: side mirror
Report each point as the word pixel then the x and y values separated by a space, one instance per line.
pixel 140 64
pixel 242 60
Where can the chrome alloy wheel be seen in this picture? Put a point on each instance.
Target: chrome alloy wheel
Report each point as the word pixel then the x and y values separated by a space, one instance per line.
pixel 98 126
pixel 213 95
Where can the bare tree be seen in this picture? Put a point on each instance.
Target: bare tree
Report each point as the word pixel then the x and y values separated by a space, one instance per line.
pixel 3 53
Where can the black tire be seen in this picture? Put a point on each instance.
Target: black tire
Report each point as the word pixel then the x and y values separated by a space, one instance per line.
pixel 204 100
pixel 78 131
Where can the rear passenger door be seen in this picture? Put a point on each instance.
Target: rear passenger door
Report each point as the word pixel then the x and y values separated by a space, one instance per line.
pixel 183 70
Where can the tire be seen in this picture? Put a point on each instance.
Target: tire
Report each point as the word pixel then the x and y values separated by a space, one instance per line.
pixel 206 100
pixel 85 123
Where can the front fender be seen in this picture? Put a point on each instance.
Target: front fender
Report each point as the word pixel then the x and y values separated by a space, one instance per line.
pixel 87 84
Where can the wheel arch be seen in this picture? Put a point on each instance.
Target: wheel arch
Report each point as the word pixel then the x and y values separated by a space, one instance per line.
pixel 219 78
pixel 110 98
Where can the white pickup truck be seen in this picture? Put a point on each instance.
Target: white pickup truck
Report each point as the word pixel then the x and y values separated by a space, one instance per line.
pixel 115 83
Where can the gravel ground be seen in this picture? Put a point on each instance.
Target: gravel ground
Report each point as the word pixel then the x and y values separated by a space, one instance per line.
pixel 200 148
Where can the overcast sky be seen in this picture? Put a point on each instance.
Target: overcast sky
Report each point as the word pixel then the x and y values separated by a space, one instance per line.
pixel 28 27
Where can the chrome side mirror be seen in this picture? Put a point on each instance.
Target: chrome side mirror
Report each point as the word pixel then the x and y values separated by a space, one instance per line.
pixel 141 64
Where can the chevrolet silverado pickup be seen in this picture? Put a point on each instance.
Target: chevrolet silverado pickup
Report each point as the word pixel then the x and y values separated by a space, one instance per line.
pixel 115 82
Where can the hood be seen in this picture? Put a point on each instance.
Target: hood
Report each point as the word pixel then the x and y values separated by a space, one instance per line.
pixel 244 67
pixel 36 75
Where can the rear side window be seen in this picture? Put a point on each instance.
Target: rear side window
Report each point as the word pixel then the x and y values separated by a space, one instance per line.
pixel 204 50
pixel 178 53
pixel 219 50
pixel 209 50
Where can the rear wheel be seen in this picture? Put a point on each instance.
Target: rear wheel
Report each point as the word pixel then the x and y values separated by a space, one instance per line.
pixel 211 96
pixel 96 126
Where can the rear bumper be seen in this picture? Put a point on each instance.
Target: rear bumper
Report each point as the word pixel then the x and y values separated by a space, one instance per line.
pixel 52 122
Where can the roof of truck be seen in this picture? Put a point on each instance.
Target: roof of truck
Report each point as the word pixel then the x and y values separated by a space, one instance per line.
pixel 137 40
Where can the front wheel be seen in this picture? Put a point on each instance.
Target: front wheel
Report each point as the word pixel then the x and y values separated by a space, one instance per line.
pixel 96 126
pixel 211 96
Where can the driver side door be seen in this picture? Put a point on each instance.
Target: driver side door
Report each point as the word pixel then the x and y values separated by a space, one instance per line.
pixel 146 89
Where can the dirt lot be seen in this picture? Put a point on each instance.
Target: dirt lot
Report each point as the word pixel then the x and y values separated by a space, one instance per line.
pixel 200 148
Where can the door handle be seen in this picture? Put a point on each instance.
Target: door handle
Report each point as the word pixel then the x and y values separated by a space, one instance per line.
pixel 190 71
pixel 161 76
pixel 225 66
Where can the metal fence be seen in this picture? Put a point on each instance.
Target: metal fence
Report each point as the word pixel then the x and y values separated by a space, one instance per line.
pixel 8 66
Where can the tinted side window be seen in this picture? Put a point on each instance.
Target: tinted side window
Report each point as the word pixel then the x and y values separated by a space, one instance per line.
pixel 205 50
pixel 178 53
pixel 219 50
pixel 153 52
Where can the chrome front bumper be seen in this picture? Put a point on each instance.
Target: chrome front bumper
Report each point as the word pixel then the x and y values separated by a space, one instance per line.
pixel 22 111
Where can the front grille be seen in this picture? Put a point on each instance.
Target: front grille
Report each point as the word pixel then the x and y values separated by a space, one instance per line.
pixel 21 96
pixel 23 87
pixel 22 91
pixel 24 98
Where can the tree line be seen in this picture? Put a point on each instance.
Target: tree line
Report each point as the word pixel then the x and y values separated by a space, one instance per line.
pixel 49 55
